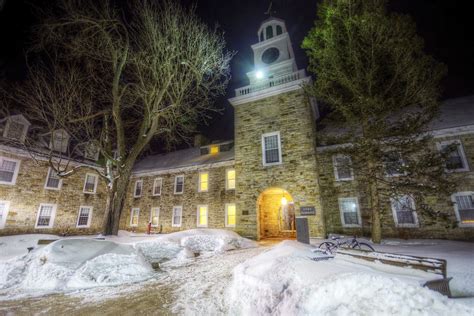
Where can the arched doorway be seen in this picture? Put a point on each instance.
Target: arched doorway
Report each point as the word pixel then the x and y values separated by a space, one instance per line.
pixel 276 211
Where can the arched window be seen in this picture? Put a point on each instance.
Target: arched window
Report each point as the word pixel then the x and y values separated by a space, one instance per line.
pixel 269 31
pixel 261 36
pixel 279 30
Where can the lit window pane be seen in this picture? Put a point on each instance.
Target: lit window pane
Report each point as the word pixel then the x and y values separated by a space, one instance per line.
pixel 231 179
pixel 465 206
pixel 203 181
pixel 202 216
pixel 231 215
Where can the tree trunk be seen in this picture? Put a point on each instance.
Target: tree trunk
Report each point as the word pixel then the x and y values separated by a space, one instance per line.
pixel 115 204
pixel 374 202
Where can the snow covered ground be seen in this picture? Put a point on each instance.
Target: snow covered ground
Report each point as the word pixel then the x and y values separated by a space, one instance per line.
pixel 214 272
pixel 79 263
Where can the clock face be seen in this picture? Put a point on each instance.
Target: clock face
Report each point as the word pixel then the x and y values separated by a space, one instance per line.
pixel 270 55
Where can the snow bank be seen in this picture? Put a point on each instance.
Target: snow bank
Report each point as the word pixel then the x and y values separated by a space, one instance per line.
pixel 17 245
pixel 284 281
pixel 74 263
pixel 78 263
pixel 189 243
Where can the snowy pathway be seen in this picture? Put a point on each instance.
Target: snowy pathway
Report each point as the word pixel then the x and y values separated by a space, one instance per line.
pixel 195 288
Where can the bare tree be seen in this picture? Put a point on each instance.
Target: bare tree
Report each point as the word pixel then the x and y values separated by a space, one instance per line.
pixel 120 77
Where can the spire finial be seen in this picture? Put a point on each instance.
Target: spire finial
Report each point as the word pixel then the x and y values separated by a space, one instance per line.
pixel 270 12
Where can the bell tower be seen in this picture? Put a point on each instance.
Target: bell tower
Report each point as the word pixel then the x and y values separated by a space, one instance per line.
pixel 275 141
pixel 273 54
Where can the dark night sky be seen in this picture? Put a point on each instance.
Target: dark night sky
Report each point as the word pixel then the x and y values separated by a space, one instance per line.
pixel 445 26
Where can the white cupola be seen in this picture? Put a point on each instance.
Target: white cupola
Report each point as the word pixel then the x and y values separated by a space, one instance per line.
pixel 273 54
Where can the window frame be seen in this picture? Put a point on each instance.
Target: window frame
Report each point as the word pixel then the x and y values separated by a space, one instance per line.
pixel 135 188
pixel 335 166
pixel 15 172
pixel 176 183
pixel 8 127
pixel 227 179
pixel 3 222
pixel 155 186
pixel 416 224
pixel 95 183
pixel 89 218
pixel 227 215
pixel 264 151
pixel 132 211
pixel 198 216
pixel 46 182
pixel 341 211
pixel 151 216
pixel 402 163
pixel 53 215
pixel 456 209
pixel 199 181
pixel 173 224
pixel 462 154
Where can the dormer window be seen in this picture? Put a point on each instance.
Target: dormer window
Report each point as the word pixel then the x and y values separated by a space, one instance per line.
pixel 59 140
pixel 16 128
pixel 214 150
pixel 91 151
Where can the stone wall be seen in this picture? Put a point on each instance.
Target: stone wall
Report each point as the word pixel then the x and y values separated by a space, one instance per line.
pixel 29 191
pixel 291 115
pixel 215 198
pixel 429 227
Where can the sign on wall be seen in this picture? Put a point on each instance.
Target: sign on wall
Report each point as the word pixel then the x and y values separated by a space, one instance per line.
pixel 307 210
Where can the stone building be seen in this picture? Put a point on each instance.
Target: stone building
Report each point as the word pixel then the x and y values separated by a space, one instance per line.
pixel 257 184
pixel 33 199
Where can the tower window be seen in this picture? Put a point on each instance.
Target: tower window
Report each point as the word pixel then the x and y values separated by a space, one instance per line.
pixel 269 31
pixel 271 149
pixel 279 30
pixel 261 36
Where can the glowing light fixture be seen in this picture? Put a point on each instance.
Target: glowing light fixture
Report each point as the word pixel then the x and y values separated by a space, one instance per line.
pixel 259 74
pixel 214 150
pixel 284 201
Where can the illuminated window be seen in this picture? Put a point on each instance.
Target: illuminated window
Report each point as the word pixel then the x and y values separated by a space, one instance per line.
pixel 271 149
pixel 230 179
pixel 90 183
pixel 179 184
pixel 202 216
pixel 53 181
pixel 404 213
pixel 134 215
pixel 349 209
pixel 214 150
pixel 157 184
pixel 84 218
pixel 464 208
pixel 230 215
pixel 203 182
pixel 137 192
pixel 177 216
pixel 3 213
pixel 155 216
pixel 46 214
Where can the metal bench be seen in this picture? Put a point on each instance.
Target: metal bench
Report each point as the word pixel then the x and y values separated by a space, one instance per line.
pixel 430 265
